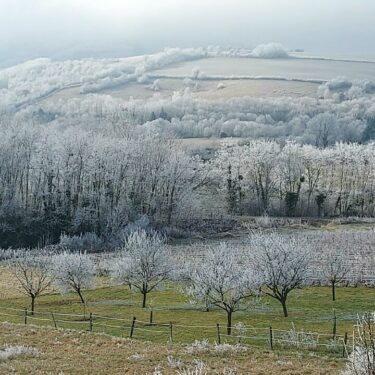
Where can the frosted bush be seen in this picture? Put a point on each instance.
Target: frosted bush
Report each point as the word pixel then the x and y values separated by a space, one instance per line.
pixel 84 242
pixel 174 362
pixel 15 351
pixel 199 368
pixel 361 361
pixel 136 357
pixel 299 340
pixel 204 347
pixel 198 346
pixel 240 330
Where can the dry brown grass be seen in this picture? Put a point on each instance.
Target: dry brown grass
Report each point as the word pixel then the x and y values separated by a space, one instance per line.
pixel 68 352
pixel 7 284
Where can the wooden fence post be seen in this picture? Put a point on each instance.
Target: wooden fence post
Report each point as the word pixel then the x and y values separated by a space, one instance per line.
pixel 151 317
pixel 25 316
pixel 271 338
pixel 345 343
pixel 54 320
pixel 91 322
pixel 132 327
pixel 170 332
pixel 218 333
pixel 334 328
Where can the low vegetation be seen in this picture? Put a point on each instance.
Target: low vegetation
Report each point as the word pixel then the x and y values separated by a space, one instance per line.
pixel 83 353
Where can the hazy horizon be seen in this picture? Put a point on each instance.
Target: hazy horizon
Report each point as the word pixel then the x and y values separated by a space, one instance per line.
pixel 75 29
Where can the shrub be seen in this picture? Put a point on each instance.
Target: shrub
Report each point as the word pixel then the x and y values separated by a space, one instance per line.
pixel 15 351
pixel 299 340
pixel 362 360
pixel 89 242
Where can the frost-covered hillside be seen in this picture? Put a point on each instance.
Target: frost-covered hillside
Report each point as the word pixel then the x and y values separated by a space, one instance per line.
pixel 201 92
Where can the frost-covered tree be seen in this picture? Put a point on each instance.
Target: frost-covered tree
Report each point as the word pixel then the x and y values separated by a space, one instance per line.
pixel 335 267
pixel 323 127
pixel 32 270
pixel 144 262
pixel 281 263
pixel 223 279
pixel 73 272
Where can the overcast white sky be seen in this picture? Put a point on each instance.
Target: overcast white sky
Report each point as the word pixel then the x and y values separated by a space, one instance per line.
pixel 85 28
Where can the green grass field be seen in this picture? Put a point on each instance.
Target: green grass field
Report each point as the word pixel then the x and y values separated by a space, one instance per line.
pixel 310 310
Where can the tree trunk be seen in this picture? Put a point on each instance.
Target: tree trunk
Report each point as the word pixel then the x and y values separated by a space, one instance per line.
pixel 80 296
pixel 333 291
pixel 144 299
pixel 285 310
pixel 32 305
pixel 229 323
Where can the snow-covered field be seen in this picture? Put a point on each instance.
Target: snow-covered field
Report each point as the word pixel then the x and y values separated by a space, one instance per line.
pixel 207 72
pixel 291 68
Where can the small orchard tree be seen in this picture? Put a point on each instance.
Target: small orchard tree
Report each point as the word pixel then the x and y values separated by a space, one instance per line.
pixel 73 272
pixel 281 262
pixel 222 279
pixel 32 271
pixel 335 268
pixel 144 263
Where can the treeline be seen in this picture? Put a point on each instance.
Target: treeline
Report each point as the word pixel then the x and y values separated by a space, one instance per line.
pixel 74 182
pixel 296 180
pixel 77 182
pixel 319 122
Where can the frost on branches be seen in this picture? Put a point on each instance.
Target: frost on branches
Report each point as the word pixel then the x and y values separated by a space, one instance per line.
pixel 223 279
pixel 144 263
pixel 33 273
pixel 361 359
pixel 281 263
pixel 73 272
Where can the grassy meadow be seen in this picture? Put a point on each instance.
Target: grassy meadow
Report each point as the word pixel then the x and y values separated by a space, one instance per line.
pixel 310 310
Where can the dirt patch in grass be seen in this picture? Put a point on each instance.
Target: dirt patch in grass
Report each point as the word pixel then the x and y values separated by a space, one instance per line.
pixel 69 352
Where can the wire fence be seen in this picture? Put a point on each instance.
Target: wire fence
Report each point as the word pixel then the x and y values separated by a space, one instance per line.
pixel 264 337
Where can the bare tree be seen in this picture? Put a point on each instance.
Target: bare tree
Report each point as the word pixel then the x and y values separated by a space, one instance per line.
pixel 334 267
pixel 223 279
pixel 73 272
pixel 32 271
pixel 144 263
pixel 281 262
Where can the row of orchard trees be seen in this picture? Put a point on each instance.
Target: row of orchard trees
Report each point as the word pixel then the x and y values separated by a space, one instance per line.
pixel 263 176
pixel 77 182
pixel 225 277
